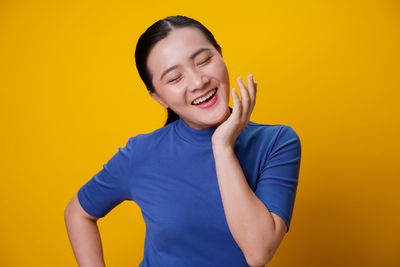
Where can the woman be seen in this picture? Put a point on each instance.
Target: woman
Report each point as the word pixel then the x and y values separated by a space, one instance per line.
pixel 215 189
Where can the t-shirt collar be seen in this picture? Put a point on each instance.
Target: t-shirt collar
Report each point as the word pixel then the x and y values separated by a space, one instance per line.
pixel 196 136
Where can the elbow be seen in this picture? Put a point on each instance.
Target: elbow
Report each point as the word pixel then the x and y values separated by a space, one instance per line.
pixel 259 259
pixel 260 262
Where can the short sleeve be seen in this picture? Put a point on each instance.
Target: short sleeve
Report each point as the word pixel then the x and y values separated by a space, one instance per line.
pixel 277 184
pixel 110 186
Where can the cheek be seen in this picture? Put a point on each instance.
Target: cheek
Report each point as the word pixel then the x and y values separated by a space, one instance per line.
pixel 175 94
pixel 220 72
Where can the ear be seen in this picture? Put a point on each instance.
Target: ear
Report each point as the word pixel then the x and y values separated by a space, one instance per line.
pixel 157 98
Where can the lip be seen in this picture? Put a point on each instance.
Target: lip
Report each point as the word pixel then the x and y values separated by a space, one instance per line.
pixel 206 93
pixel 208 103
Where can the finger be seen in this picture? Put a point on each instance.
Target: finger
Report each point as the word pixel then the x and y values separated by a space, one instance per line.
pixel 251 86
pixel 252 92
pixel 245 97
pixel 237 107
pixel 255 96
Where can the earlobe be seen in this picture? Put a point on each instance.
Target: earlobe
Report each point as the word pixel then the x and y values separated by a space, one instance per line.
pixel 157 98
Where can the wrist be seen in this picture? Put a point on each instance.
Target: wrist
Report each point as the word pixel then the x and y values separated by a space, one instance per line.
pixel 222 148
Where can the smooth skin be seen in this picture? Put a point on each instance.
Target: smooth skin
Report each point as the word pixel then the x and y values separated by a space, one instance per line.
pixel 196 68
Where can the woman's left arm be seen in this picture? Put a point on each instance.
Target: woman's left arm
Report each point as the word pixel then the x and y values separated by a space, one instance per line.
pixel 257 231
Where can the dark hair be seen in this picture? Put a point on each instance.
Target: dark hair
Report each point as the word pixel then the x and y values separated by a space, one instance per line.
pixel 156 32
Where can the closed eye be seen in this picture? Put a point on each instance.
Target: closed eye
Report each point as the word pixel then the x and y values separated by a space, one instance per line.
pixel 176 79
pixel 206 60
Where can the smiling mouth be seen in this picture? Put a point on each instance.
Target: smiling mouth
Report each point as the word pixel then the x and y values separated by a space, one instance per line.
pixel 205 98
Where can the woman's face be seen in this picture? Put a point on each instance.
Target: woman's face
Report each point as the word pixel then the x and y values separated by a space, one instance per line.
pixel 186 67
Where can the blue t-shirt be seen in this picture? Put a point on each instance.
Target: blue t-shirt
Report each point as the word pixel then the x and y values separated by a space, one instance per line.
pixel 170 173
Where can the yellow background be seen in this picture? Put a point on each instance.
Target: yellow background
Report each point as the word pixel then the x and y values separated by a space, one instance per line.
pixel 71 95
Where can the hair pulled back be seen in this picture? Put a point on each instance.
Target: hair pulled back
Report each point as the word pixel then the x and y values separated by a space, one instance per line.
pixel 156 32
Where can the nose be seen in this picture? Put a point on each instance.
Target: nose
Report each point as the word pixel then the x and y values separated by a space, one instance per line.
pixel 197 80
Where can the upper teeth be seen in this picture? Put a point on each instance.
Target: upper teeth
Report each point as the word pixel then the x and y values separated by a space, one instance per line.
pixel 204 98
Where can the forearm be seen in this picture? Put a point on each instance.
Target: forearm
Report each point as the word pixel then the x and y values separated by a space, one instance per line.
pixel 85 239
pixel 249 221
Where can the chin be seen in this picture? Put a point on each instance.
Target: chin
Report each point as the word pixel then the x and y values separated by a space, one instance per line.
pixel 222 116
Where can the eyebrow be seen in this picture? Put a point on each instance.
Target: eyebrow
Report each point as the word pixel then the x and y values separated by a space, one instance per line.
pixel 191 57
